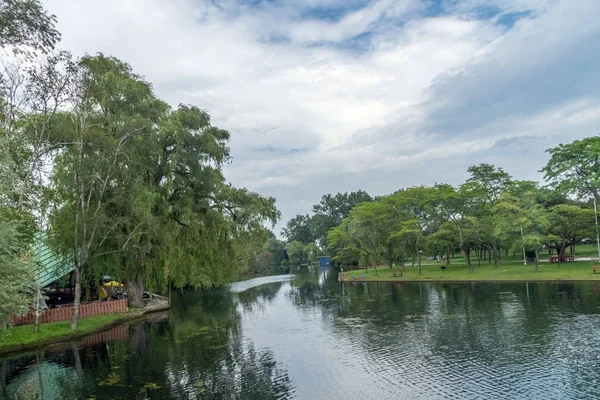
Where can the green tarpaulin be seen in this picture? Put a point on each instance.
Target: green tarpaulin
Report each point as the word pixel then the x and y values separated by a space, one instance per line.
pixel 53 266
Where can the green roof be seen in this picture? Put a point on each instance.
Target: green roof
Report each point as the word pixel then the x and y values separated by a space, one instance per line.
pixel 53 266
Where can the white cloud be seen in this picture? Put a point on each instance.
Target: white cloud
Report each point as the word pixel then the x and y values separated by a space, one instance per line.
pixel 383 96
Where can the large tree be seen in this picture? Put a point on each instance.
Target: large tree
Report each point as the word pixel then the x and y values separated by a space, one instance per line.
pixel 111 106
pixel 568 225
pixel 574 168
pixel 481 192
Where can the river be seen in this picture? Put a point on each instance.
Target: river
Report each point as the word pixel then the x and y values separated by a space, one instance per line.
pixel 306 337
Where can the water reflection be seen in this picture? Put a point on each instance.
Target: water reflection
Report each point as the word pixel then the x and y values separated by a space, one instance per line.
pixel 306 337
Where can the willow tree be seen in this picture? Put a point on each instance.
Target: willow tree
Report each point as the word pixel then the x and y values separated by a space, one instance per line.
pixel 111 106
pixel 174 217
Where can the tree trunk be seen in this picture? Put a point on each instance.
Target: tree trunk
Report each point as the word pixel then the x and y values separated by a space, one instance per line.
pixel 135 292
pixel 77 302
pixel 375 264
pixel 467 254
pixel 419 259
pixel 537 258
pixel 496 255
pixel 448 256
pixel 561 251
pixel 36 327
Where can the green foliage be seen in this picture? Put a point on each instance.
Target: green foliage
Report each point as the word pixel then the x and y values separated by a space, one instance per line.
pixel 568 226
pixel 18 273
pixel 26 23
pixel 488 214
pixel 296 251
pixel 327 214
pixel 331 210
pixel 299 229
pixel 167 214
pixel 575 167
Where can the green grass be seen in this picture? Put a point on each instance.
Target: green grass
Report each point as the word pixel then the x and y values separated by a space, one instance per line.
pixel 24 335
pixel 509 270
pixel 586 250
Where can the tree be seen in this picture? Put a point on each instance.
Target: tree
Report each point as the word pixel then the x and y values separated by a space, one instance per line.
pixel 331 210
pixel 295 251
pixel 482 190
pixel 312 251
pixel 413 208
pixel 523 220
pixel 575 168
pixel 18 273
pixel 277 248
pixel 367 230
pixel 299 229
pixel 18 269
pixel 568 226
pixel 26 23
pixel 452 205
pixel 111 106
pixel 343 249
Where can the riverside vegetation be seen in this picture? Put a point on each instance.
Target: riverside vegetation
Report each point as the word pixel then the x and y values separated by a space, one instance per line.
pixel 124 184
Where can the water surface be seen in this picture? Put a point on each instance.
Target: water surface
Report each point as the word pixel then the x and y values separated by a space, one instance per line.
pixel 306 337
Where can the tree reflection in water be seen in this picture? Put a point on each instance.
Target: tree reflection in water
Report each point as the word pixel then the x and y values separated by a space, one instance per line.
pixel 399 340
pixel 198 352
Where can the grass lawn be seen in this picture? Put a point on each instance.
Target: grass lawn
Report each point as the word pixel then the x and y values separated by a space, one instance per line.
pixel 586 250
pixel 23 335
pixel 509 270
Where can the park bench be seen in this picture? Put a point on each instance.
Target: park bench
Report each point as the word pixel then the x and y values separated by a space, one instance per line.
pixel 595 268
pixel 557 259
pixel 397 273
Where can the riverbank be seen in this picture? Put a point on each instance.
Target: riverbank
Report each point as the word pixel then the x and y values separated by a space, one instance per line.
pixel 511 271
pixel 23 338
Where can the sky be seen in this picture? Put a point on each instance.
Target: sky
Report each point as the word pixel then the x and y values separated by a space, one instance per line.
pixel 327 96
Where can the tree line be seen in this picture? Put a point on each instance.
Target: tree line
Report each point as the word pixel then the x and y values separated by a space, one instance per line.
pixel 488 215
pixel 117 181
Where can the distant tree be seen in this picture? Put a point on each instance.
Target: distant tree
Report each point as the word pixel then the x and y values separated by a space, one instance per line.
pixel 482 191
pixel 277 248
pixel 341 245
pixel 415 209
pixel 523 220
pixel 296 251
pixel 312 251
pixel 367 230
pixel 299 229
pixel 331 210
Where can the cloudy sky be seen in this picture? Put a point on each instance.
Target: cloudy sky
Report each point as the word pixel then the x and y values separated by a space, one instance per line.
pixel 322 96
